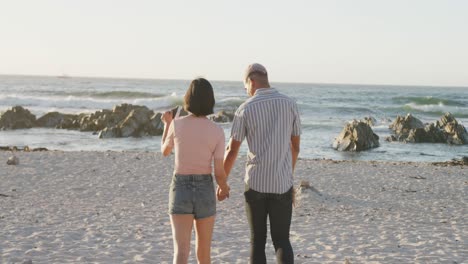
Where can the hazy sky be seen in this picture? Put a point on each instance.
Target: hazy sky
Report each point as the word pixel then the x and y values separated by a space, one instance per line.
pixel 348 41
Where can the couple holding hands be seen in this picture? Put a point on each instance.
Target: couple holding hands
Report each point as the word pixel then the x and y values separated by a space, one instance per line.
pixel 270 121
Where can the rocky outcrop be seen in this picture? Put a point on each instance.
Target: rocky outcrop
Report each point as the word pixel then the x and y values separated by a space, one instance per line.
pixel 402 126
pixel 133 124
pixel 456 133
pixel 99 120
pixel 356 136
pixel 56 120
pixel 124 120
pixel 429 134
pixel 137 121
pixel 412 130
pixel 70 122
pixel 17 118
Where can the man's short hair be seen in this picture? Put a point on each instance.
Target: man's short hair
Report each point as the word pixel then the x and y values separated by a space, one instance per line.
pixel 255 69
pixel 199 98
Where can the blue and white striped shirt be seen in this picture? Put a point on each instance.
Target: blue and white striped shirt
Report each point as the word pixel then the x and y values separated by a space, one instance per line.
pixel 268 120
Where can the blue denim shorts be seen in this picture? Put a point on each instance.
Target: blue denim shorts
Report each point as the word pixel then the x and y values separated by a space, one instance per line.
pixel 192 194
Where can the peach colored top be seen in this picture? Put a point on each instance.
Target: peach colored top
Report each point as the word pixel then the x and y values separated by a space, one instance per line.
pixel 197 141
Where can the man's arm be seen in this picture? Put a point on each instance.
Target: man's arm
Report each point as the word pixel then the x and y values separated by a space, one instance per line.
pixel 295 148
pixel 230 156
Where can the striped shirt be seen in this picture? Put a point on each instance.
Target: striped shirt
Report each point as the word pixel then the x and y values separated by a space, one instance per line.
pixel 268 120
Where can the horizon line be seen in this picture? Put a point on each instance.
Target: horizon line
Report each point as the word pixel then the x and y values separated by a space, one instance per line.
pixel 66 76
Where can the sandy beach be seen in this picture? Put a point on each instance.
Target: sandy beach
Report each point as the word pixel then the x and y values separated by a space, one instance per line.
pixel 110 207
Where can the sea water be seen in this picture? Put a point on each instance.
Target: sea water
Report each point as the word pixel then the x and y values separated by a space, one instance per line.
pixel 324 108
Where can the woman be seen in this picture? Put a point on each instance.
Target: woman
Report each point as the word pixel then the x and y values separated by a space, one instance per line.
pixel 198 143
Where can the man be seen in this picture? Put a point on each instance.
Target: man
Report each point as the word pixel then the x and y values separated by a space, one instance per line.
pixel 270 122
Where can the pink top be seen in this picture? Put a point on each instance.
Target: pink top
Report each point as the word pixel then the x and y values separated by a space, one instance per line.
pixel 197 141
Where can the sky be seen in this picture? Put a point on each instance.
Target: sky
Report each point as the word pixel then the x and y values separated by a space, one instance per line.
pixel 417 42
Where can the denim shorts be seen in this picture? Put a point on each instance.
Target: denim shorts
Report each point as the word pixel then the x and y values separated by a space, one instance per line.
pixel 192 194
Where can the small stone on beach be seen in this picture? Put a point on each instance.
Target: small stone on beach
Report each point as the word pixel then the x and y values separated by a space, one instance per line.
pixel 305 185
pixel 13 160
pixel 418 177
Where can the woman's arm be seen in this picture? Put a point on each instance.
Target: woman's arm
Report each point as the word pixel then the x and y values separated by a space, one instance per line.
pixel 166 148
pixel 221 180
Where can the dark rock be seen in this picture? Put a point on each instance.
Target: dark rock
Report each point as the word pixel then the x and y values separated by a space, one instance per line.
pixel 124 120
pixel 55 119
pixel 182 111
pixel 130 121
pixel 155 127
pixel 25 148
pixel 445 130
pixel 445 119
pixel 305 185
pixel 110 132
pixel 454 162
pixel 429 134
pixel 51 119
pixel 39 149
pixel 222 117
pixel 87 124
pixel 126 116
pixel 17 118
pixel 356 136
pixel 456 132
pixel 124 109
pixel 402 125
pixel 369 120
pixel 69 122
pixel 136 120
pixel 13 160
pixel 99 120
pixel 391 138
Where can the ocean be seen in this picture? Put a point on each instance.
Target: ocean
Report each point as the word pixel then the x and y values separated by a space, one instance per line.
pixel 325 109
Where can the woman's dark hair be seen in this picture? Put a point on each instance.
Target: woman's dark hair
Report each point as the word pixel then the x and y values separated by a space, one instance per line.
pixel 199 98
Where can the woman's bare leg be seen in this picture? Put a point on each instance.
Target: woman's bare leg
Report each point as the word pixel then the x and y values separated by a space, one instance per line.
pixel 182 234
pixel 204 231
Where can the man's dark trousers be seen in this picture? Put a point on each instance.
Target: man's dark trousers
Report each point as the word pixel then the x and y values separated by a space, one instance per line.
pixel 278 207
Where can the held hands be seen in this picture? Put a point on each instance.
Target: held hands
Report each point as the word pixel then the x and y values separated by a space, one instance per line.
pixel 222 192
pixel 166 117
